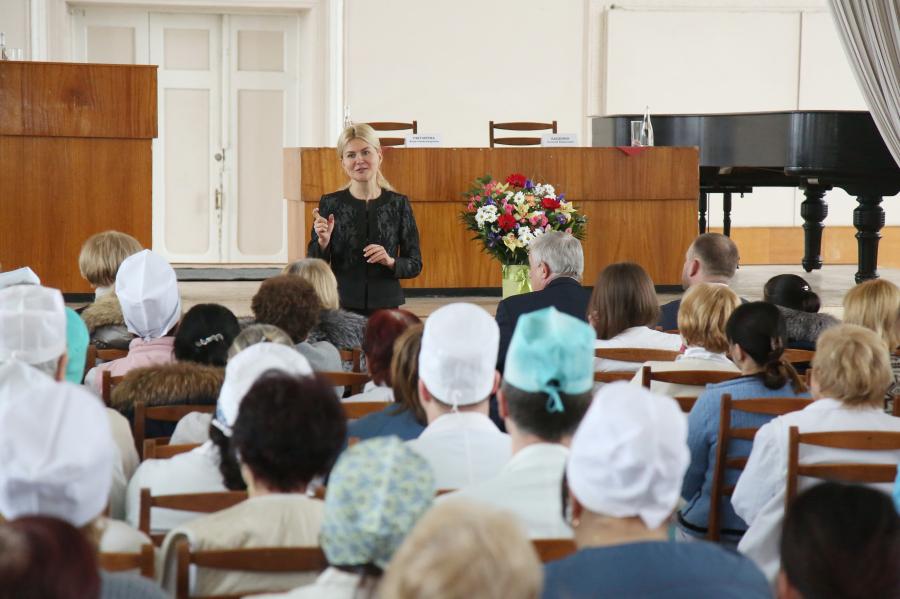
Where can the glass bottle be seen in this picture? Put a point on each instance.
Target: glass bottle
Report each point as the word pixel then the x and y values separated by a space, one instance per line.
pixel 646 129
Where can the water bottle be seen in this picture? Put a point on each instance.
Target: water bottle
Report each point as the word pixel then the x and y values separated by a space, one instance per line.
pixel 646 129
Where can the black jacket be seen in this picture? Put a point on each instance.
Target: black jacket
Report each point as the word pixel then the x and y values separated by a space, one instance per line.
pixel 387 221
pixel 565 294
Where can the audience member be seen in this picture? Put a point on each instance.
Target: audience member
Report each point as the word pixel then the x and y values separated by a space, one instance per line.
pixel 77 341
pixel 341 328
pixel 33 332
pixel 195 377
pixel 147 289
pixel 212 466
pixel 291 304
pixel 624 473
pixel 711 258
pixel 99 261
pixel 840 541
pixel 19 276
pixel 799 305
pixel 377 492
pixel 405 418
pixel 705 308
pixel 288 433
pixel 623 308
pixel 875 305
pixel 546 390
pixel 556 263
pixel 57 454
pixel 460 550
pixel 851 370
pixel 756 339
pixel 456 380
pixel 382 330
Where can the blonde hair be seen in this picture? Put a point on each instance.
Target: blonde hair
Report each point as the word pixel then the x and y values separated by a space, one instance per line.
pixel 367 134
pixel 852 364
pixel 102 254
pixel 317 273
pixel 258 333
pixel 704 310
pixel 875 305
pixel 405 372
pixel 461 549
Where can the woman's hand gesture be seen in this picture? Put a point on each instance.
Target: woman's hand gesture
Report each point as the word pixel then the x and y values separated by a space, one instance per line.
pixel 376 254
pixel 323 228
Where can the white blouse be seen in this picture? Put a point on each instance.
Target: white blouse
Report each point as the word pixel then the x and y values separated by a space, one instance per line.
pixel 640 337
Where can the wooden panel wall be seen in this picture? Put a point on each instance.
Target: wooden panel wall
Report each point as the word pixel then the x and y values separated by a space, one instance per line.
pixel 641 208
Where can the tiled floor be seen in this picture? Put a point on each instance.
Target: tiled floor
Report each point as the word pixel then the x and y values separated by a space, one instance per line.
pixel 830 283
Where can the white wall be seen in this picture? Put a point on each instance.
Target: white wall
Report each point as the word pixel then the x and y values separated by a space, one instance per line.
pixel 14 22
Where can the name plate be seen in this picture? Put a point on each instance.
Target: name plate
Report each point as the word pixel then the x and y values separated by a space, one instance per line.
pixel 559 140
pixel 422 140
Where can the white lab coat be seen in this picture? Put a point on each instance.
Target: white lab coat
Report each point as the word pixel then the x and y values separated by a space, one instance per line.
pixel 124 467
pixel 529 486
pixel 642 337
pixel 693 358
pixel 331 584
pixel 463 448
pixel 759 495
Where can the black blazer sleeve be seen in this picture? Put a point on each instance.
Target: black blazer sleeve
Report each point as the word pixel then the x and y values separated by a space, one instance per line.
pixel 507 324
pixel 408 262
pixel 313 250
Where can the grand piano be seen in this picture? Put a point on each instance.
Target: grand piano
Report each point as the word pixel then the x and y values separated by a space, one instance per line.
pixel 813 150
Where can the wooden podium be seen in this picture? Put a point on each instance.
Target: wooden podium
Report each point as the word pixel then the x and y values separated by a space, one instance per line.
pixel 75 159
pixel 640 208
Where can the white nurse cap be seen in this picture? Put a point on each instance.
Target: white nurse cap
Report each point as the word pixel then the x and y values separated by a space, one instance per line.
pixel 147 289
pixel 32 324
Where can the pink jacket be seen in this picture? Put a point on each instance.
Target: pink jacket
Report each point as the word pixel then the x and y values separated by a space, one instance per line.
pixel 140 353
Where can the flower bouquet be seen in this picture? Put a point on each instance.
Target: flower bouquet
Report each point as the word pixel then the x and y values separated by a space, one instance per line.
pixel 506 217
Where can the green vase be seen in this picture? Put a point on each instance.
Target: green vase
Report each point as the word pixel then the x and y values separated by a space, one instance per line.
pixel 515 279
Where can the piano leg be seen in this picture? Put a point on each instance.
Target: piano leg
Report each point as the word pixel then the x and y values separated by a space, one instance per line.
pixel 868 218
pixel 703 205
pixel 726 217
pixel 814 209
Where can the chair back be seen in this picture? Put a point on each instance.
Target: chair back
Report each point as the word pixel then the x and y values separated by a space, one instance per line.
pixel 353 356
pixel 635 354
pixel 869 473
pixel 120 562
pixel 549 550
pixel 611 376
pixel 518 126
pixel 155 449
pixel 90 359
pixel 108 382
pixel 168 413
pixel 771 406
pixel 394 126
pixel 110 354
pixel 799 356
pixel 697 378
pixel 258 559
pixel 358 409
pixel 686 403
pixel 201 503
pixel 355 380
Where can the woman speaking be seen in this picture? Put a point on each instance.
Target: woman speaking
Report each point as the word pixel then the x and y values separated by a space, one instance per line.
pixel 366 230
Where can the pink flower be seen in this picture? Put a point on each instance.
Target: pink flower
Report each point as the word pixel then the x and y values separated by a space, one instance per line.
pixel 471 207
pixel 569 230
pixel 508 208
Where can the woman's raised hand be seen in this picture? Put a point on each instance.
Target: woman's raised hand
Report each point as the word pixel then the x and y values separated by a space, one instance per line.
pixel 323 228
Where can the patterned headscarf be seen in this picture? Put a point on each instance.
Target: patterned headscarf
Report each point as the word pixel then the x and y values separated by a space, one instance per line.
pixel 377 492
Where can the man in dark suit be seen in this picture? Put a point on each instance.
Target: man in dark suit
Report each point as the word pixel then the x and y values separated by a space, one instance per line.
pixel 556 261
pixel 712 258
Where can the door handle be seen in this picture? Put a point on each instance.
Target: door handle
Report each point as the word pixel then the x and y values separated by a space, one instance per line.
pixel 218 199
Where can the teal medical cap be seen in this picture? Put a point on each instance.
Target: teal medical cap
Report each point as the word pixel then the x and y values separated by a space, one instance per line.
pixel 77 340
pixel 551 352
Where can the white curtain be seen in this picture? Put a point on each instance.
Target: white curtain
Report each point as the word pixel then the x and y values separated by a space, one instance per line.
pixel 870 32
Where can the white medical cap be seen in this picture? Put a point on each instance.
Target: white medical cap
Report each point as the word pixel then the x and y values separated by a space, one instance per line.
pixel 32 324
pixel 243 370
pixel 147 289
pixel 18 378
pixel 19 276
pixel 57 453
pixel 458 356
pixel 629 454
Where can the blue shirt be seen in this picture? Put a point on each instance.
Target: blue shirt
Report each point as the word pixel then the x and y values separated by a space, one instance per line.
pixel 389 421
pixel 703 441
pixel 655 569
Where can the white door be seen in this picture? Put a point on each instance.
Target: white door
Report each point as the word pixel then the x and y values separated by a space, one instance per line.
pixel 228 103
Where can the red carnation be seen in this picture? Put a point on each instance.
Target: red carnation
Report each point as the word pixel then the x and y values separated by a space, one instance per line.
pixel 506 222
pixel 516 180
pixel 550 203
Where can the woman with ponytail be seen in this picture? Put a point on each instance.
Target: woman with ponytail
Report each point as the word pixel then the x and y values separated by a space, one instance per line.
pixel 366 230
pixel 756 341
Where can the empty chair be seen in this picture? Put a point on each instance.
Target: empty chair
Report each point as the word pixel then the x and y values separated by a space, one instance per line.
pixel 412 127
pixel 518 126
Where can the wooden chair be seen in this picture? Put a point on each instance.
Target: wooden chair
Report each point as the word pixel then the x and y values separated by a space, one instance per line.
pixel 611 376
pixel 518 126
pixel 772 406
pixel 635 354
pixel 686 377
pixel 110 354
pixel 553 549
pixel 108 382
pixel 155 450
pixel 394 126
pixel 145 561
pixel 259 559
pixel 358 409
pixel 201 503
pixel 799 356
pixel 172 413
pixel 845 472
pixel 896 410
pixel 686 403
pixel 352 355
pixel 90 360
pixel 355 380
